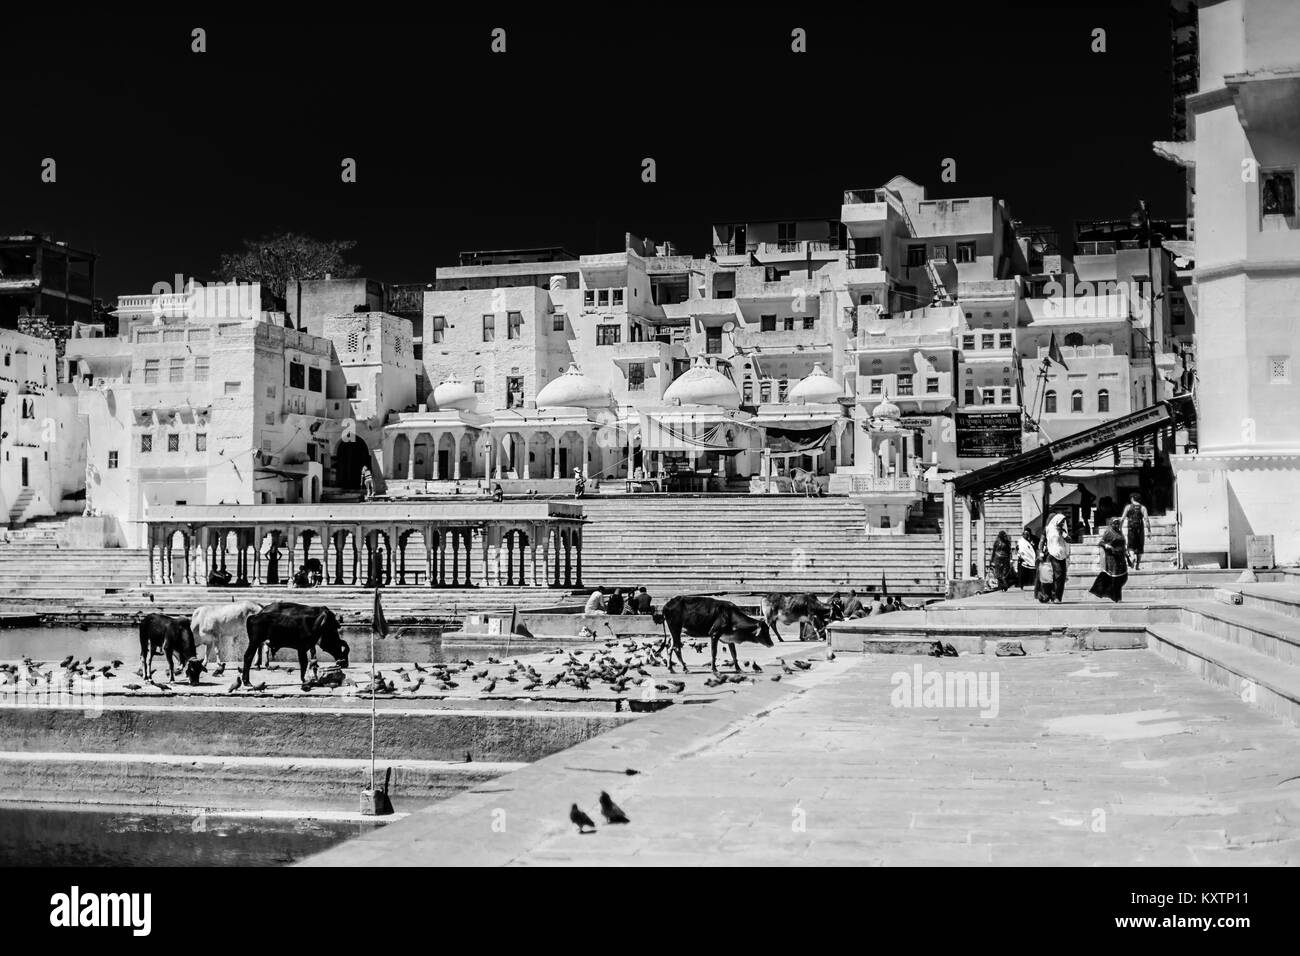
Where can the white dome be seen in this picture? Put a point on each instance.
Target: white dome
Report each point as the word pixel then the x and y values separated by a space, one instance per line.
pixel 454 394
pixel 816 388
pixel 703 385
pixel 886 409
pixel 574 390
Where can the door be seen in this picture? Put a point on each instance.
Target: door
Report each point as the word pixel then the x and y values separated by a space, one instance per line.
pixel 739 240
pixel 444 464
pixel 26 483
pixel 1202 513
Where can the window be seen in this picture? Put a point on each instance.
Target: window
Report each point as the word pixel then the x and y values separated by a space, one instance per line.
pixel 297 375
pixel 515 392
pixel 618 296
pixel 146 444
pixel 1277 193
pixel 1004 396
pixel 809 323
pixel 151 371
pixel 1103 400
pixel 968 343
pixel 479 386
pixel 1004 340
pixel 112 459
pixel 232 388
pixel 29 408
pixel 785 232
pixel 314 379
pixel 514 323
pixel 354 391
pixel 987 396
pixel 767 323
pixel 765 393
pixel 437 326
pixel 747 393
pixel 932 386
pixel 1279 370
pixel 489 328
pixel 602 298
pixel 969 396
pixel 905 384
pixel 1049 403
pixel 782 389
pixel 589 297
pixel 866 299
pixel 940 252
pixel 608 334
pixel 177 371
pixel 269 417
pixel 198 335
pixel 713 340
pixel 876 386
pixel 986 340
pixel 787 323
pixel 1076 401
pixel 636 377
pixel 1074 340
pixel 173 442
pixel 965 252
pixel 201 441
pixel 557 322
pixel 915 256
pixel 147 336
pixel 200 368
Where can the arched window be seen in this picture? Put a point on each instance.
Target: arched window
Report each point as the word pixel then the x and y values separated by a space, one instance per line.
pixel 1103 401
pixel 1076 401
pixel 1074 339
pixel 1049 403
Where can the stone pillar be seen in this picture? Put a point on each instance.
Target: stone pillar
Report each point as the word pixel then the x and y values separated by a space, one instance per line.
pixel 410 457
pixel 578 547
pixel 965 539
pixel 527 463
pixel 442 557
pixel 456 437
pixel 949 531
pixel 427 534
pixel 483 537
pixel 555 441
pixel 568 559
pixel 435 440
pixel 586 437
pixel 499 453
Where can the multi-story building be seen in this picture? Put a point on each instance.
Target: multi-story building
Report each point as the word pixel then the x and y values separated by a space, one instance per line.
pixel 42 277
pixel 1243 150
pixel 204 398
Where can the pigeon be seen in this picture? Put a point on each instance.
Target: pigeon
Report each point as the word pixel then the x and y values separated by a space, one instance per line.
pixel 611 810
pixel 949 651
pixel 753 666
pixel 134 687
pixel 418 668
pixel 581 820
pixel 116 664
pixel 66 661
pixel 776 677
pixel 235 686
pixel 219 669
pixel 830 655
pixel 490 686
pixel 88 661
pixel 258 688
pixel 803 665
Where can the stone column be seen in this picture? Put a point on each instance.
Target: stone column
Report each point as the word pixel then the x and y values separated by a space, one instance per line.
pixel 456 437
pixel 586 436
pixel 435 439
pixel 578 549
pixel 568 559
pixel 410 457
pixel 965 539
pixel 427 534
pixel 555 441
pixel 526 453
pixel 499 453
pixel 484 539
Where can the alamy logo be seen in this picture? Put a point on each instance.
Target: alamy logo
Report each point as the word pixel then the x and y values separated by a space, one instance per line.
pixel 945 689
pixel 102 909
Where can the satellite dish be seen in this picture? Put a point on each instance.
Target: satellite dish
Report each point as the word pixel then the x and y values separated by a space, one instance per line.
pixel 729 327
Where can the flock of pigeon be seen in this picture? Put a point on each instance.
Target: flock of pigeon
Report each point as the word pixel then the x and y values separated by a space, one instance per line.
pixel 615 665
pixel 608 809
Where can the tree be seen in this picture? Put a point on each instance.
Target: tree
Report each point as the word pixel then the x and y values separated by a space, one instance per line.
pixel 275 261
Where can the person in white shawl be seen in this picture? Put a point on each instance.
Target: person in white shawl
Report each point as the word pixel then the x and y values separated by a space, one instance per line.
pixel 1058 553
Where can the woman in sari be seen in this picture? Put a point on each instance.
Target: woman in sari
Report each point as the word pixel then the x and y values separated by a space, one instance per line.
pixel 1026 558
pixel 1056 544
pixel 1114 567
pixel 1002 561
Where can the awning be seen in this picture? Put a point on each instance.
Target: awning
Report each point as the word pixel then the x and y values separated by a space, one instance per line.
pixel 797 441
pixel 672 433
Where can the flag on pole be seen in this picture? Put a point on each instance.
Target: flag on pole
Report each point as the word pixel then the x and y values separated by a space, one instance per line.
pixel 514 617
pixel 1054 353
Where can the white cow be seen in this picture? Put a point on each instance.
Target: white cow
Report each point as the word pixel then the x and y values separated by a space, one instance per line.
pixel 211 621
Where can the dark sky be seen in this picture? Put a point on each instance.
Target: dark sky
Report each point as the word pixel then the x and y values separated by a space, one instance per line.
pixel 167 158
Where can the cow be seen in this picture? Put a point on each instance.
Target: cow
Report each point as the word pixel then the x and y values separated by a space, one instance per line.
pixel 211 622
pixel 715 619
pixel 789 608
pixel 173 637
pixel 802 477
pixel 299 626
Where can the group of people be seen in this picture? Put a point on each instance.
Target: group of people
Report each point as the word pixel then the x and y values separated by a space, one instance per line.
pixel 1046 563
pixel 619 601
pixel 845 609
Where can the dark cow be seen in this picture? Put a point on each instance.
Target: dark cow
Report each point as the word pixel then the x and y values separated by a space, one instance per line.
pixel 789 608
pixel 717 620
pixel 299 626
pixel 171 636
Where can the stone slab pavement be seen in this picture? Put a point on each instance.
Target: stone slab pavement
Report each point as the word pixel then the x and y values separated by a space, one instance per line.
pixel 1087 758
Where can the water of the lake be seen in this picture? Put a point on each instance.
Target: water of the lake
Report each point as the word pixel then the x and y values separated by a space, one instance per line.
pixel 75 836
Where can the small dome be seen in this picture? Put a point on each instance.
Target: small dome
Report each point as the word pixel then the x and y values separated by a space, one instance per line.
pixel 817 388
pixel 886 409
pixel 574 390
pixel 703 385
pixel 454 393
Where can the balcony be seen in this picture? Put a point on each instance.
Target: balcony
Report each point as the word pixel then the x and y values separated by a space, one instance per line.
pixel 1068 352
pixel 648 350
pixel 881 338
pixel 174 304
pixel 870 484
pixel 866 210
pixel 823 249
pixel 782 340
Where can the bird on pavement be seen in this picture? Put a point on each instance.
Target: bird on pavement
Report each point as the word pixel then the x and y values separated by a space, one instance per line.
pixel 581 820
pixel 611 810
pixel 235 686
pixel 490 686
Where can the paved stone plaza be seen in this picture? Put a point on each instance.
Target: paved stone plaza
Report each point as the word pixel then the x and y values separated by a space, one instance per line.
pixel 1115 757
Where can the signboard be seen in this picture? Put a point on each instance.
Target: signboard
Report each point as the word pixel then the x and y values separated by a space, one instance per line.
pixel 1259 551
pixel 1109 432
pixel 988 434
pixel 916 422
